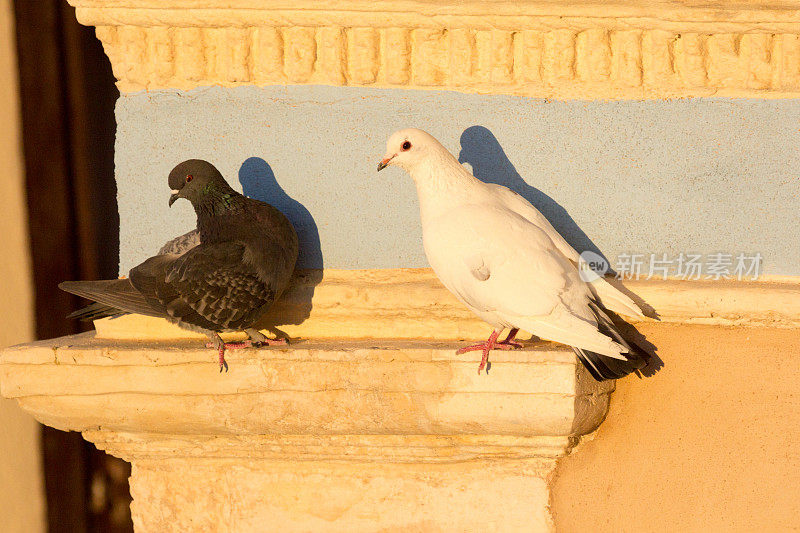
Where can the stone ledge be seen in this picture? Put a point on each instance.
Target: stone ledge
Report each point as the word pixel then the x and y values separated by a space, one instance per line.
pixel 412 303
pixel 329 435
pixel 326 435
pixel 580 50
pixel 322 388
pixel 337 448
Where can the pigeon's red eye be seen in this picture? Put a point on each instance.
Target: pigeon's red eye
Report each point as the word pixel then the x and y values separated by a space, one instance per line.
pixel 189 178
pixel 406 145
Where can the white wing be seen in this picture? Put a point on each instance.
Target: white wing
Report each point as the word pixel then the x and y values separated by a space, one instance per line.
pixel 499 263
pixel 611 297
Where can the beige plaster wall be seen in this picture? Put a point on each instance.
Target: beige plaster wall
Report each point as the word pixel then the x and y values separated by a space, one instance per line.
pixel 21 485
pixel 710 444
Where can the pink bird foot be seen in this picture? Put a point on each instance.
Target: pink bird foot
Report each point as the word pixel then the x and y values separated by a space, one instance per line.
pixel 222 362
pixel 505 344
pixel 508 342
pixel 237 345
pixel 498 345
pixel 492 344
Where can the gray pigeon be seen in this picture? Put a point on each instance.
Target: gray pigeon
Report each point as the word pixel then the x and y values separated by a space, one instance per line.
pixel 221 277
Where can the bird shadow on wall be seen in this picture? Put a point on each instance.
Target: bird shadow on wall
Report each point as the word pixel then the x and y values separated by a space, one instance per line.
pixel 490 164
pixel 294 306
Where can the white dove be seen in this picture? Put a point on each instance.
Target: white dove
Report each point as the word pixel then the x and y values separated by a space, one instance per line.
pixel 502 258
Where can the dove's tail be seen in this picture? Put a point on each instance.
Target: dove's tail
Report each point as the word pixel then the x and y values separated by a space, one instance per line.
pixel 602 367
pixel 610 297
pixel 113 297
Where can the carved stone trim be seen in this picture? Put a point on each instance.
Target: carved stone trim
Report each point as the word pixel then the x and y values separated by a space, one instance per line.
pixel 533 49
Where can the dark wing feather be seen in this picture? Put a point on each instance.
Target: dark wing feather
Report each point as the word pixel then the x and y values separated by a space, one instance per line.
pixel 149 278
pixel 602 367
pixel 211 286
pixel 181 244
pixel 117 294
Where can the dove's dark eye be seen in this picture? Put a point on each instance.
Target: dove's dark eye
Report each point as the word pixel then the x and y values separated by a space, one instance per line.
pixel 189 178
pixel 406 145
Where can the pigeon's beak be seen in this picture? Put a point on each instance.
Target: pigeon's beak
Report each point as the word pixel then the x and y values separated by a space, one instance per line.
pixel 174 196
pixel 384 163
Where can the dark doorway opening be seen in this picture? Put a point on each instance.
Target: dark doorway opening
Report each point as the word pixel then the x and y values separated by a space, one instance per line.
pixel 67 95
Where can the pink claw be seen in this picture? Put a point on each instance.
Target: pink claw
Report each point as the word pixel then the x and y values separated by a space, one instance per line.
pixel 492 344
pixel 236 345
pixel 222 362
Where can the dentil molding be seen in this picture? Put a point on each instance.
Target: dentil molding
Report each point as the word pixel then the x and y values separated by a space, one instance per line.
pixel 581 49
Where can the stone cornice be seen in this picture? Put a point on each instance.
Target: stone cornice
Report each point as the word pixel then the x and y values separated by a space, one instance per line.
pixel 393 428
pixel 345 448
pixel 322 400
pixel 442 14
pixel 412 303
pixel 539 49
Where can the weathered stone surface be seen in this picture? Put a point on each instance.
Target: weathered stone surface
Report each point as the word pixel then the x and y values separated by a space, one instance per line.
pixel 329 435
pixel 319 388
pixel 223 495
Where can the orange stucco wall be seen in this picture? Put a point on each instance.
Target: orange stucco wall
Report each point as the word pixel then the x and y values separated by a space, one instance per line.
pixel 711 443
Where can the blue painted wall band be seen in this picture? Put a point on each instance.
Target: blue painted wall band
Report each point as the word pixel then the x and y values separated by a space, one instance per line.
pixel 692 175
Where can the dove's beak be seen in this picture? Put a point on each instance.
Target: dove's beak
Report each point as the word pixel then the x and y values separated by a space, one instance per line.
pixel 384 163
pixel 174 196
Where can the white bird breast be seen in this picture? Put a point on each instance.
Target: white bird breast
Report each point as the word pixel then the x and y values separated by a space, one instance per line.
pixel 494 261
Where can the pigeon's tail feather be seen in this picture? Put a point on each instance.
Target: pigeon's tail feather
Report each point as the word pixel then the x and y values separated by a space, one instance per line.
pixel 602 367
pixel 95 311
pixel 115 294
